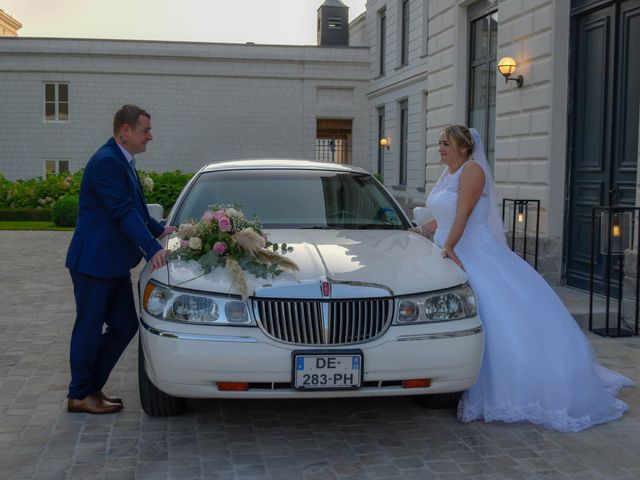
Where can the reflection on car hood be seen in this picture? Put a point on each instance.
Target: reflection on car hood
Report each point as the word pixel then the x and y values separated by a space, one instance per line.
pixel 399 261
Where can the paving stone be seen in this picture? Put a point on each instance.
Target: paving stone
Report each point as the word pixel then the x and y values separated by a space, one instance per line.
pixel 386 438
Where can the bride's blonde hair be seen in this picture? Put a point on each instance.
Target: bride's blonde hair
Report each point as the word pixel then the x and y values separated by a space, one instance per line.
pixel 461 136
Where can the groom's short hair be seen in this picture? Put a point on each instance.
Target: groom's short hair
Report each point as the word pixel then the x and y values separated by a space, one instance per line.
pixel 128 115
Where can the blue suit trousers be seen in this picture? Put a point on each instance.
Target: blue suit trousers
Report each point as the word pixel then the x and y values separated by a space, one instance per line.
pixel 106 322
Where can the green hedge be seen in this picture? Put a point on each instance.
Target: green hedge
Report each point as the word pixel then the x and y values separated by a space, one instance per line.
pixel 166 187
pixel 42 193
pixel 39 192
pixel 25 214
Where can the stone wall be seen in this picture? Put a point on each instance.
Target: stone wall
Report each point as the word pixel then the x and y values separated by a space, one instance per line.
pixel 208 102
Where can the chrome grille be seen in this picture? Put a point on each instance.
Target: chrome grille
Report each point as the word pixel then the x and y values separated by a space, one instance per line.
pixel 314 322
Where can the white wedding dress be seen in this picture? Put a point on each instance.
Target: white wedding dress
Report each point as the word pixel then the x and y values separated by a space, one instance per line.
pixel 538 366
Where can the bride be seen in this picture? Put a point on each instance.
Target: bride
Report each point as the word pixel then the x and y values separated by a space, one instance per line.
pixel 538 366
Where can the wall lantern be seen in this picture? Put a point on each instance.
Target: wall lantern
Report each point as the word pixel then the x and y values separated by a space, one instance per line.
pixel 384 143
pixel 521 213
pixel 506 66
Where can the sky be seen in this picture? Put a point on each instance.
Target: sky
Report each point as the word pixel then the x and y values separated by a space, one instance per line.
pixel 286 22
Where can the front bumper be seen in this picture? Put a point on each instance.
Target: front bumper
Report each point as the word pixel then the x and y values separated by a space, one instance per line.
pixel 188 360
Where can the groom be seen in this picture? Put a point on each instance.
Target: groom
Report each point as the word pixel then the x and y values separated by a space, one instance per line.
pixel 113 232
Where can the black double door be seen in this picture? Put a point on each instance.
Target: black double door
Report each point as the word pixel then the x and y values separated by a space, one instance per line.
pixel 604 126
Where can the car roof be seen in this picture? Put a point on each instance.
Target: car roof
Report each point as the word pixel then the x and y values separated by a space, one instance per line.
pixel 277 164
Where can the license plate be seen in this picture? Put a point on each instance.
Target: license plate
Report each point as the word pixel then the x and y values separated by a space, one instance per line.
pixel 324 371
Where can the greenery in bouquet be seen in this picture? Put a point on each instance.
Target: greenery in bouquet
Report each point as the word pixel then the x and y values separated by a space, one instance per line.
pixel 224 237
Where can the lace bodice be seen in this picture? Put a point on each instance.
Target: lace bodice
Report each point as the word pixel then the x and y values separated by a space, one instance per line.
pixel 443 202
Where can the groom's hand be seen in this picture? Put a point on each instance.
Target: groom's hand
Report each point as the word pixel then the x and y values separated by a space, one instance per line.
pixel 159 260
pixel 168 230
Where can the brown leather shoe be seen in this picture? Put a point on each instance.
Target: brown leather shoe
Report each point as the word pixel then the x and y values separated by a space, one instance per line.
pixel 108 398
pixel 92 404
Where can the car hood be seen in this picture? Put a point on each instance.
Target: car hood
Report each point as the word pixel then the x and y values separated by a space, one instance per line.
pixel 395 262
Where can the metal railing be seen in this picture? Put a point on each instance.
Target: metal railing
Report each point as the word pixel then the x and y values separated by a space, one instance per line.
pixel 333 150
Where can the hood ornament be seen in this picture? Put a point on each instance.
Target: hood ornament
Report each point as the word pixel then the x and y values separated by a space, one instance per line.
pixel 325 288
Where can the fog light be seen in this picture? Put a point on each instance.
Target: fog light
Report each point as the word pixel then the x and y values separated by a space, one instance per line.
pixel 232 386
pixel 417 383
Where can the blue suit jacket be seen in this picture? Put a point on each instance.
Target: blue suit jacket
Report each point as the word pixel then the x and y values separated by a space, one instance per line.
pixel 114 229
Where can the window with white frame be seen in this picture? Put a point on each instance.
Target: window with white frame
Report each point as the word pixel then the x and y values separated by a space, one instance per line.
pixel 56 102
pixel 483 49
pixel 382 40
pixel 381 135
pixel 404 32
pixel 403 107
pixel 425 128
pixel 52 167
pixel 425 27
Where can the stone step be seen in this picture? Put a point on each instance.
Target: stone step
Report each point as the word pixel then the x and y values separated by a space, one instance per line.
pixel 577 302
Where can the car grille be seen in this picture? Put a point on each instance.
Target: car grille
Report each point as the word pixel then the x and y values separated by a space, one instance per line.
pixel 313 322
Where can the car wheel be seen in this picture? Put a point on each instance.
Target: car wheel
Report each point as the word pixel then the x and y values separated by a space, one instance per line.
pixel 439 401
pixel 155 402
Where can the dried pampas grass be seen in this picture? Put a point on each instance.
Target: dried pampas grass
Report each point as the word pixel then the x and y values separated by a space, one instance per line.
pixel 267 256
pixel 248 240
pixel 237 276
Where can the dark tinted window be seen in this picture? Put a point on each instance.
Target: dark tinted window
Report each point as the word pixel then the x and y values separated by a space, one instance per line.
pixel 296 199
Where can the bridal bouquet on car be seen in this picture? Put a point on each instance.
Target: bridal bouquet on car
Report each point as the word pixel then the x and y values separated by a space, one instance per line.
pixel 224 237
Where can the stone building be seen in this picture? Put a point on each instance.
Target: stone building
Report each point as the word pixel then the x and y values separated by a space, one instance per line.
pixel 209 102
pixel 567 137
pixel 9 26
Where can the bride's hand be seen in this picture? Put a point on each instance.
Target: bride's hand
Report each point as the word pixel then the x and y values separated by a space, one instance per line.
pixel 447 252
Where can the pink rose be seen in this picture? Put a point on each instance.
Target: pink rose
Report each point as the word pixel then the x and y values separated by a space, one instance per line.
pixel 68 179
pixel 218 214
pixel 219 247
pixel 224 224
pixel 208 215
pixel 184 243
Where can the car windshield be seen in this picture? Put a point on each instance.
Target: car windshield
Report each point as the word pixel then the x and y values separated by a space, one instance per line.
pixel 296 199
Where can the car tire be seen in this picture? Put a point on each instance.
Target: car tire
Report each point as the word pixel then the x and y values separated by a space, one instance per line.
pixel 439 401
pixel 155 402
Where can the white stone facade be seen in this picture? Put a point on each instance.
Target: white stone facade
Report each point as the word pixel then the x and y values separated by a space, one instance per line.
pixel 9 26
pixel 208 102
pixel 399 83
pixel 531 122
pixel 211 102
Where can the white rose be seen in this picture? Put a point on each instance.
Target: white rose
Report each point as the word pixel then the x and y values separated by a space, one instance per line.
pixel 148 183
pixel 232 212
pixel 195 243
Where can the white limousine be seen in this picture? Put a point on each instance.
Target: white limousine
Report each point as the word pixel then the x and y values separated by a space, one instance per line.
pixel 374 309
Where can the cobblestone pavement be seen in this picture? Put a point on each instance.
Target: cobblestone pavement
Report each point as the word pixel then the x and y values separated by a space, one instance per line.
pixel 312 440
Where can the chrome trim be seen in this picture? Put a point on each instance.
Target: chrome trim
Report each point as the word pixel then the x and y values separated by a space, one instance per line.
pixel 323 322
pixel 366 285
pixel 192 336
pixel 437 336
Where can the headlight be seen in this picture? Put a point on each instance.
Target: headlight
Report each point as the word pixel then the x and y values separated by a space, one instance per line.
pixel 181 306
pixel 443 306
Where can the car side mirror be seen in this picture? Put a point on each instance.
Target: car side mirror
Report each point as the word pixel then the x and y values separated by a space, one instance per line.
pixel 155 211
pixel 422 215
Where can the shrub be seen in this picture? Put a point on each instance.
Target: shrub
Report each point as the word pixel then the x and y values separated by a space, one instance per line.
pixel 64 212
pixel 39 192
pixel 166 187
